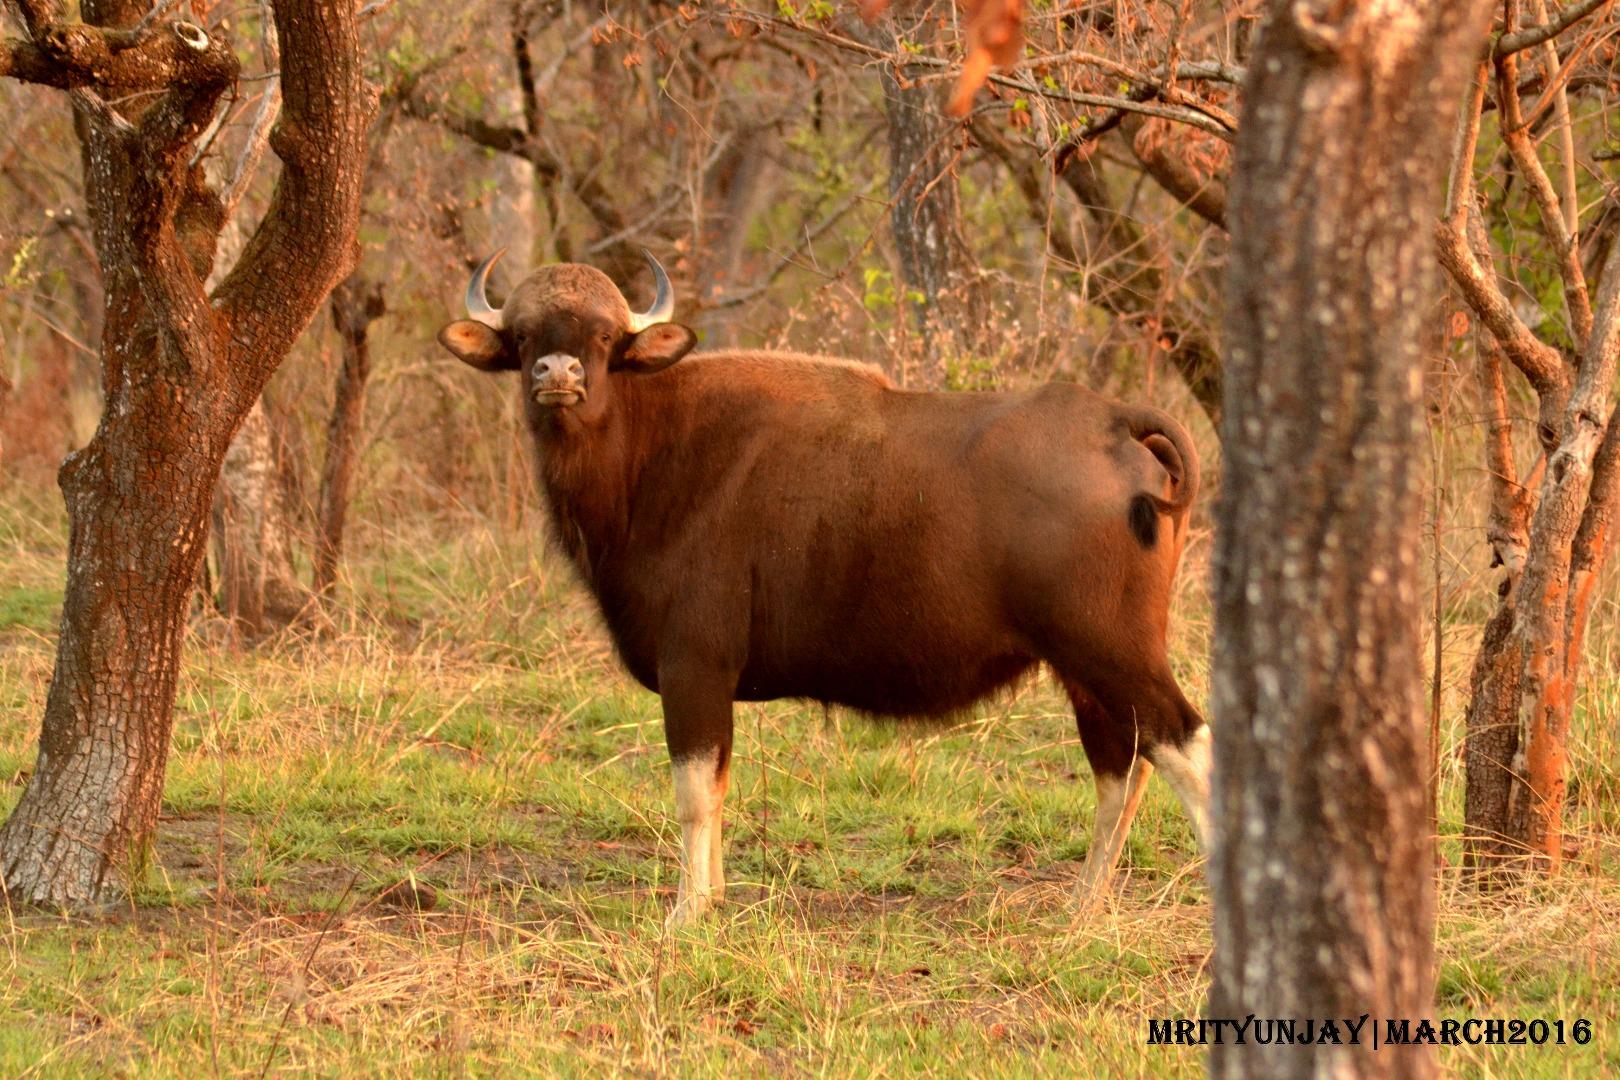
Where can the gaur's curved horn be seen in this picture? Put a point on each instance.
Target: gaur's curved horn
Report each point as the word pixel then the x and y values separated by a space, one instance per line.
pixel 477 303
pixel 663 305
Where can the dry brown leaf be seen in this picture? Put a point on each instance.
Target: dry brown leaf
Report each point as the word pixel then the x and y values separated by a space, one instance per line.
pixel 871 9
pixel 995 38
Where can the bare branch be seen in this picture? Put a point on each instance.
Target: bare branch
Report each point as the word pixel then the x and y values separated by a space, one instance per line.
pixel 116 62
pixel 1204 196
pixel 506 139
pixel 1565 242
pixel 792 258
pixel 1531 36
pixel 525 68
pixel 91 104
pixel 1460 184
pixel 1539 361
pixel 259 136
pixel 1196 115
pixel 159 9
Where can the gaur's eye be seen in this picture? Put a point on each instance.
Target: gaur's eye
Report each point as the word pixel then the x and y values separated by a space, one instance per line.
pixel 607 339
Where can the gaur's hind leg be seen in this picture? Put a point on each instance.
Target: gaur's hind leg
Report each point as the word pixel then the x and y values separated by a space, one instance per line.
pixel 1121 775
pixel 698 730
pixel 1171 733
pixel 1184 760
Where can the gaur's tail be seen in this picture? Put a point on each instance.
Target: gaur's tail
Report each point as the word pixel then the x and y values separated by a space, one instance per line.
pixel 1168 441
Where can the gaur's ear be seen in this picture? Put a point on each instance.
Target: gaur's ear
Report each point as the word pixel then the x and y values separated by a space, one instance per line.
pixel 657 347
pixel 476 345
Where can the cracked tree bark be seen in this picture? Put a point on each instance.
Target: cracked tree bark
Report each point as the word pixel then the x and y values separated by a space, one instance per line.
pixel 180 371
pixel 1322 862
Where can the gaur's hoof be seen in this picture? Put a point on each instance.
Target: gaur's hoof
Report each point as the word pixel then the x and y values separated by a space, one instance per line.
pixel 688 912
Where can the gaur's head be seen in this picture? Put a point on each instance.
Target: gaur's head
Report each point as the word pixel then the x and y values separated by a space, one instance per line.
pixel 568 329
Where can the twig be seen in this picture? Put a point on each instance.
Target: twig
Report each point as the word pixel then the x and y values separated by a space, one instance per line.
pixel 331 917
pixel 1194 116
pixel 259 136
pixel 97 109
pixel 1531 36
pixel 1565 243
pixel 737 299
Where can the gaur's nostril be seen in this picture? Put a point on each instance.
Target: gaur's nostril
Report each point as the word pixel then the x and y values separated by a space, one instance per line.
pixel 576 368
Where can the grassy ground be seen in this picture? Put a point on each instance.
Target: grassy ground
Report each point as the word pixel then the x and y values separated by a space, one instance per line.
pixel 435 839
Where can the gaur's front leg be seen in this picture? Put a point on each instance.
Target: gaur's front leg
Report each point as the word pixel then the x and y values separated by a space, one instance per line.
pixel 698 731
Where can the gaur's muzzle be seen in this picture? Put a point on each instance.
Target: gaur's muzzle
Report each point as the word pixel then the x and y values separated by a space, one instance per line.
pixel 559 379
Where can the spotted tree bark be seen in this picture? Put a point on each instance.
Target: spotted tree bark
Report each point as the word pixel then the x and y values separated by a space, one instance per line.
pixel 1322 859
pixel 180 371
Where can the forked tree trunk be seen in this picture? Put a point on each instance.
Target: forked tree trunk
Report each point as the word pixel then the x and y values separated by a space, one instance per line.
pixel 180 371
pixel 1550 533
pixel 1322 860
pixel 356 304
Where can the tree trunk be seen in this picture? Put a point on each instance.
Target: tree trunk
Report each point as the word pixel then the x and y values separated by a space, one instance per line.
pixel 252 537
pixel 1552 533
pixel 941 282
pixel 1322 859
pixel 356 304
pixel 5 398
pixel 1491 738
pixel 259 588
pixel 180 370
pixel 138 500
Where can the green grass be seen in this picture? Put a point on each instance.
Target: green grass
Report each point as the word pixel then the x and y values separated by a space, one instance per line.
pixel 899 899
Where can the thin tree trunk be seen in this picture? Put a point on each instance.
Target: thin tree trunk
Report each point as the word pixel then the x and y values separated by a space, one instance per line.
pixel 5 398
pixel 252 536
pixel 356 304
pixel 936 263
pixel 1322 862
pixel 1492 732
pixel 259 588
